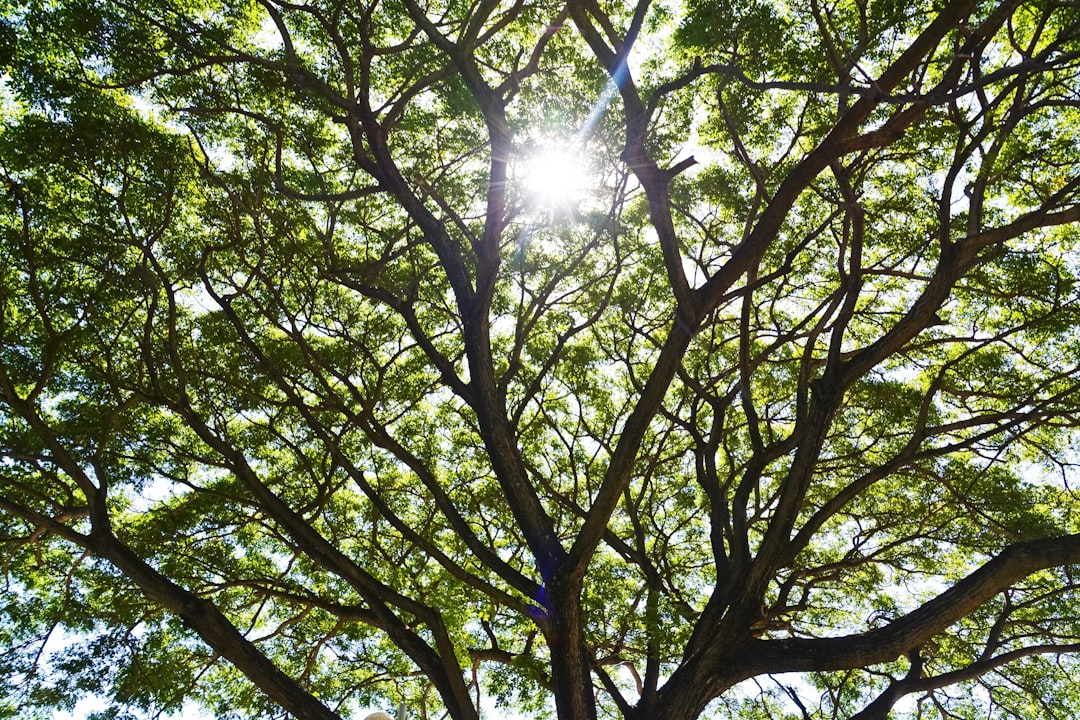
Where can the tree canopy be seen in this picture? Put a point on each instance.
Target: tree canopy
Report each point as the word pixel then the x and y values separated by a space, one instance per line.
pixel 581 359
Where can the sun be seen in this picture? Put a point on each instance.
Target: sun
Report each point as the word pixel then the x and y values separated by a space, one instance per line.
pixel 554 178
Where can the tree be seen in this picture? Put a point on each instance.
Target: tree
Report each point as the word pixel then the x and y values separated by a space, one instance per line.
pixel 316 397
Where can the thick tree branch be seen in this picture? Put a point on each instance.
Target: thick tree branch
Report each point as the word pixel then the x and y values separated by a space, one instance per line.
pixel 906 633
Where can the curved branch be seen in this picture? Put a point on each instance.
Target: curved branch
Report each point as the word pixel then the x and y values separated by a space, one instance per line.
pixel 201 615
pixel 904 634
pixel 913 682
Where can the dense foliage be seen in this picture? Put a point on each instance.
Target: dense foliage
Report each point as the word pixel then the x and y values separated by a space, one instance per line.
pixel 325 386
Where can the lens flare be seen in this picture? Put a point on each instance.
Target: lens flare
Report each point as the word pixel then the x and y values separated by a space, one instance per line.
pixel 554 178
